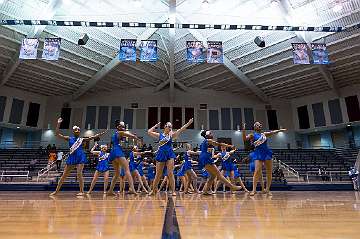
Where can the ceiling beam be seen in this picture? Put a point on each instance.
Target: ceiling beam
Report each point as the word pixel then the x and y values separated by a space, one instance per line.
pixel 112 64
pixel 15 61
pixel 216 82
pixel 171 50
pixel 286 8
pixel 231 66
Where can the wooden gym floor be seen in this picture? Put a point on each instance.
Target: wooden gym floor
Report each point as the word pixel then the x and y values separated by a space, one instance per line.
pixel 284 215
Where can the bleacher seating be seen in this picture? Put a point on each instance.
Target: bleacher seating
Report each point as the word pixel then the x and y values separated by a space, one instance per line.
pixel 301 160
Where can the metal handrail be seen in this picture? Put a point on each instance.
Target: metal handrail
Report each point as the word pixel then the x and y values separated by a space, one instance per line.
pixel 3 174
pixel 330 173
pixel 45 170
pixel 289 169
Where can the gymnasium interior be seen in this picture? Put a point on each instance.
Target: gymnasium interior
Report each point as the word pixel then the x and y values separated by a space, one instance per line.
pixel 289 64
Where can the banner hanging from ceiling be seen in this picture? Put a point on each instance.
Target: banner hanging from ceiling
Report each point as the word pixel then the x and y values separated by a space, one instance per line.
pixel 195 52
pixel 148 51
pixel 319 53
pixel 29 47
pixel 215 52
pixel 300 53
pixel 127 50
pixel 51 50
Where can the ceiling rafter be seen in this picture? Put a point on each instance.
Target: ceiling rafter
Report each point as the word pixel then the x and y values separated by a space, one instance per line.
pixel 15 61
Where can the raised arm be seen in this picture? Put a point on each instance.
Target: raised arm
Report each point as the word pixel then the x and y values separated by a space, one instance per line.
pixel 152 131
pixel 182 129
pixel 96 135
pixel 244 136
pixel 271 133
pixel 57 130
pixel 128 135
pixel 193 152
pixel 96 153
pixel 213 142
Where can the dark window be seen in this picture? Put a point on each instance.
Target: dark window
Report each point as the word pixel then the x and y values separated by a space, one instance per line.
pixel 90 117
pixel 65 115
pixel 214 119
pixel 189 114
pixel 303 116
pixel 225 119
pixel 103 117
pixel 177 117
pixel 33 115
pixel 335 111
pixel 164 115
pixel 128 117
pixel 319 116
pixel 272 119
pixel 237 118
pixel 115 115
pixel 353 110
pixel 2 107
pixel 152 116
pixel 249 118
pixel 16 111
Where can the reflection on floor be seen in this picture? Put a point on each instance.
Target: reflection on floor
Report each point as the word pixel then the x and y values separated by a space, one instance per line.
pixel 284 215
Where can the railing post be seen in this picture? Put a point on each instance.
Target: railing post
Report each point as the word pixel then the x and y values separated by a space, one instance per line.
pixel 331 177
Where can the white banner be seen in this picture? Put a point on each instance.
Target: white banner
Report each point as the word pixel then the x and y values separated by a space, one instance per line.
pixel 29 48
pixel 51 50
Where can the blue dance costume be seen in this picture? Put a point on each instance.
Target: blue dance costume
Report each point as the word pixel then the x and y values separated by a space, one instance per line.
pixel 206 154
pixel 139 168
pixel 236 173
pixel 151 172
pixel 181 172
pixel 78 156
pixel 132 163
pixel 116 151
pixel 103 163
pixel 261 151
pixel 204 173
pixel 165 151
pixel 187 162
pixel 165 171
pixel 227 163
pixel 122 172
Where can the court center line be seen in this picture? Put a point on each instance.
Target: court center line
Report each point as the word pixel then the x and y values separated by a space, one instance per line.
pixel 171 228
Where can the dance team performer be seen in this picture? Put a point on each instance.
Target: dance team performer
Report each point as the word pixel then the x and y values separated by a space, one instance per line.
pixel 77 156
pixel 206 161
pixel 102 166
pixel 134 166
pixel 117 157
pixel 261 154
pixel 248 145
pixel 165 155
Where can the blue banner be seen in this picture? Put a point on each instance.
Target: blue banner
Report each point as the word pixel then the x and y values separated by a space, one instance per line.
pixel 29 48
pixel 127 50
pixel 215 52
pixel 195 52
pixel 319 53
pixel 148 51
pixel 51 50
pixel 300 53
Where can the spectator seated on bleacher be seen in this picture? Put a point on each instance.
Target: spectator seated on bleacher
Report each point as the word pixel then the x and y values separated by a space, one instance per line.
pixel 324 174
pixel 278 175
